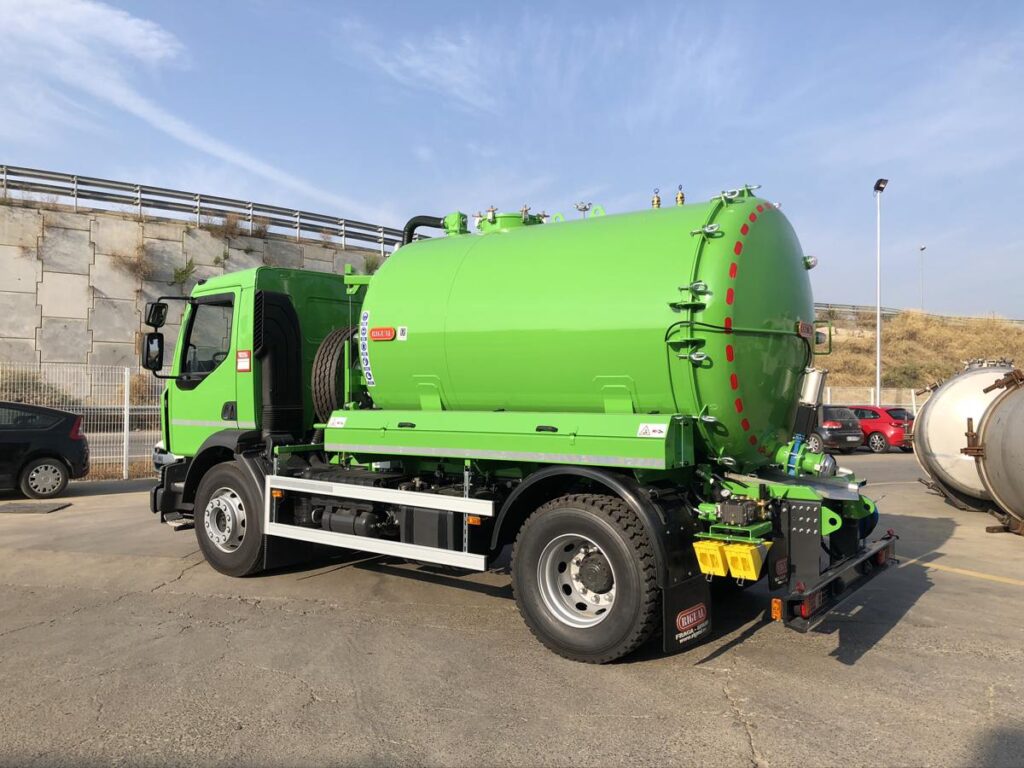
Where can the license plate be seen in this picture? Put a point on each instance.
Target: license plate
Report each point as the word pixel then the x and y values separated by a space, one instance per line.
pixel 851 439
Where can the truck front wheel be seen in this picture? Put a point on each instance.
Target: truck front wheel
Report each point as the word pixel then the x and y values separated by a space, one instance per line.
pixel 229 521
pixel 584 577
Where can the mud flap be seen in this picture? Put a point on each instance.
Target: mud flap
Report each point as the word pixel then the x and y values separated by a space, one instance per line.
pixel 686 613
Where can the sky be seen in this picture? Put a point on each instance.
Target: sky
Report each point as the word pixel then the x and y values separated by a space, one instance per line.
pixel 381 111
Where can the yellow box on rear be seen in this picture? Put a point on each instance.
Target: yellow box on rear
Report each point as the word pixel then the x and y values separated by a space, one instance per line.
pixel 745 560
pixel 711 557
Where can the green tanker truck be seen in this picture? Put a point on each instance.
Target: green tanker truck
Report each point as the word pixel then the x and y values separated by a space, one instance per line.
pixel 620 399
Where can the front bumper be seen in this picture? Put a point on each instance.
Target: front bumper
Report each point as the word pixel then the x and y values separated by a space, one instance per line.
pixel 165 496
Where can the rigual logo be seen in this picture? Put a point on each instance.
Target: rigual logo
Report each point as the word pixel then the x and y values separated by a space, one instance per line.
pixel 691 617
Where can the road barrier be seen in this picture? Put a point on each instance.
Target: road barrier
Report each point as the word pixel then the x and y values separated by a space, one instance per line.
pixel 252 218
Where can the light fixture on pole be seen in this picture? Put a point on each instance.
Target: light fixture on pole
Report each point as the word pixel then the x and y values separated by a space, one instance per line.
pixel 880 186
pixel 922 249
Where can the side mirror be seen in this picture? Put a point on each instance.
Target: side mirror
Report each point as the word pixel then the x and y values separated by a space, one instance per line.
pixel 156 314
pixel 153 350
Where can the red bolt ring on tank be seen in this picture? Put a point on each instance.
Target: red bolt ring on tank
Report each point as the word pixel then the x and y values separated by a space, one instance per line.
pixel 730 298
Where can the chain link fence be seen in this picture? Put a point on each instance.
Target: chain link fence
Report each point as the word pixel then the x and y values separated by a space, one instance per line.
pixel 120 409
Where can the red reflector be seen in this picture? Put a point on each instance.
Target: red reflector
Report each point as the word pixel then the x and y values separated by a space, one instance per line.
pixel 831 424
pixel 76 429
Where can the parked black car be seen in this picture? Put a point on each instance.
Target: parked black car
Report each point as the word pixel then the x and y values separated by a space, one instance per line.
pixel 838 429
pixel 40 449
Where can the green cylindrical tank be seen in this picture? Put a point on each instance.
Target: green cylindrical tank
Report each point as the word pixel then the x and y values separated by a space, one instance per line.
pixel 696 309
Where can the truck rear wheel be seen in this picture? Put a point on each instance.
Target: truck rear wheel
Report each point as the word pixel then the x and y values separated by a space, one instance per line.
pixel 584 578
pixel 229 520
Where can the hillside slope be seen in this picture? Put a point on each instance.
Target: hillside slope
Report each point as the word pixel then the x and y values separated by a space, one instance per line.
pixel 917 349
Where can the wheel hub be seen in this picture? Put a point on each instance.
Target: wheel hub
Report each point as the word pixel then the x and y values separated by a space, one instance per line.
pixel 595 573
pixel 576 580
pixel 44 479
pixel 224 520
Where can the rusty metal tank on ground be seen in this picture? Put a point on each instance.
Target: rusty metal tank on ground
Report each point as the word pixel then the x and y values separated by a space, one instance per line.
pixel 694 309
pixel 940 426
pixel 998 449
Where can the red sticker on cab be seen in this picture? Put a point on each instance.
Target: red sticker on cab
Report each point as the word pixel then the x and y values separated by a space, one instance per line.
pixel 382 334
pixel 243 361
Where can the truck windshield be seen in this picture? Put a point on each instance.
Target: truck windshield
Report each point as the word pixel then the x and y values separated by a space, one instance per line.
pixel 209 337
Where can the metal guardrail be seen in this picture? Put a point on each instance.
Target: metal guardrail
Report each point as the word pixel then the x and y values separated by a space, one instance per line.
pixel 889 312
pixel 142 197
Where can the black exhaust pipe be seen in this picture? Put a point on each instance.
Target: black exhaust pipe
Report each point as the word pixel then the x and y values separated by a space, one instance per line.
pixel 435 222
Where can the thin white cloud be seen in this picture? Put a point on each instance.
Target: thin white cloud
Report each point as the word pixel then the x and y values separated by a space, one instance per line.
pixel 953 122
pixel 454 66
pixel 71 48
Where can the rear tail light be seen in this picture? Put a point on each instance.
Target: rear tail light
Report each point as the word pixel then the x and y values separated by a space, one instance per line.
pixel 811 604
pixel 76 429
pixel 831 424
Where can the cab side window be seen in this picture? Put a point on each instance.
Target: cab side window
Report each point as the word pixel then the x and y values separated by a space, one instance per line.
pixel 209 337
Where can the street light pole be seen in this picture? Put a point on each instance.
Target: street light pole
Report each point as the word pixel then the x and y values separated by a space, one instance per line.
pixel 879 189
pixel 922 249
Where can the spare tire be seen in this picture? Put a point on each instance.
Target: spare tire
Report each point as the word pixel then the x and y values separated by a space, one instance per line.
pixel 327 379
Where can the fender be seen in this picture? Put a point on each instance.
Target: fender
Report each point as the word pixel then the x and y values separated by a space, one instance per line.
pixel 673 562
pixel 218 447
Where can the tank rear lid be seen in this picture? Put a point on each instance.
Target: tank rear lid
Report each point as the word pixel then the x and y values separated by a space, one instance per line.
pixel 939 430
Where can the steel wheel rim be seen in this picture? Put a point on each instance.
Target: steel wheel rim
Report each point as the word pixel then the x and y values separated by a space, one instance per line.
pixel 224 520
pixel 561 588
pixel 45 479
pixel 877 442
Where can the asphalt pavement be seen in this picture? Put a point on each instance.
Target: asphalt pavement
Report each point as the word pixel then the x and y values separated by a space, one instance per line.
pixel 119 645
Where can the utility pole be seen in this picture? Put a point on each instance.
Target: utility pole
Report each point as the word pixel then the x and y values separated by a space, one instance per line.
pixel 880 186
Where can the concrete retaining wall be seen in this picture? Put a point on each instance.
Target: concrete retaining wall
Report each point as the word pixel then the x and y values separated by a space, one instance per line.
pixel 74 286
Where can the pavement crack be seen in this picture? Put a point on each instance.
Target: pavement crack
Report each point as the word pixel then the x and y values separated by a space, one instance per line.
pixel 183 571
pixel 66 615
pixel 757 760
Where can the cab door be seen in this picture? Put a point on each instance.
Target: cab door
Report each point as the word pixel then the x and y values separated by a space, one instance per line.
pixel 202 398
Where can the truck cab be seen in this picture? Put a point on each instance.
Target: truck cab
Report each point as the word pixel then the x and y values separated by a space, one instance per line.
pixel 242 365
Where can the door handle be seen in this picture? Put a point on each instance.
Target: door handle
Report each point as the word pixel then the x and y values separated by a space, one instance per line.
pixel 229 412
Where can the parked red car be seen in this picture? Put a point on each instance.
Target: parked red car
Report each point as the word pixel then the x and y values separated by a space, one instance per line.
pixel 885 427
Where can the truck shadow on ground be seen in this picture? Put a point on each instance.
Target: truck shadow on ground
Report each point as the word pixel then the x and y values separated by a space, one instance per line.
pixel 860 622
pixel 1001 746
pixel 865 617
pixel 869 615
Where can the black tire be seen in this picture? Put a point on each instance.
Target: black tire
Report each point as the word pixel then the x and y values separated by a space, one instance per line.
pixel 907 448
pixel 815 444
pixel 608 522
pixel 327 378
pixel 233 486
pixel 877 442
pixel 44 478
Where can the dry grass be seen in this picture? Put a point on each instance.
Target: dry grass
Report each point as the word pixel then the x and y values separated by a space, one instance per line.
pixel 918 350
pixel 230 225
pixel 135 263
pixel 111 470
pixel 372 262
pixel 260 225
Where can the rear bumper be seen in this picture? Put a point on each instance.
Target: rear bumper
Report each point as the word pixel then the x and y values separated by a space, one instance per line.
pixel 78 461
pixel 809 604
pixel 842 439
